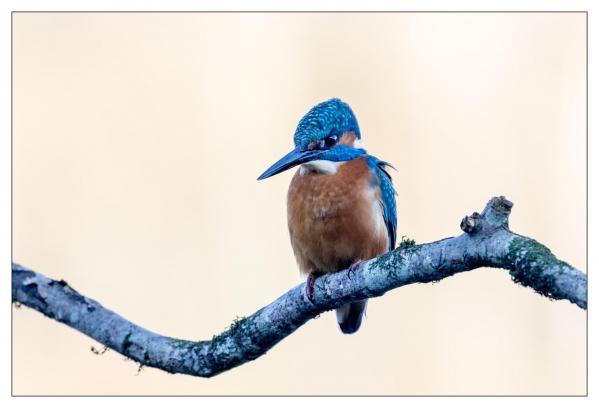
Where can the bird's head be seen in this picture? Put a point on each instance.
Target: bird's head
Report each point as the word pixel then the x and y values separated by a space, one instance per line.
pixel 325 137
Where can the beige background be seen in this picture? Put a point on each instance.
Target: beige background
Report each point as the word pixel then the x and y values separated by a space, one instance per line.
pixel 138 138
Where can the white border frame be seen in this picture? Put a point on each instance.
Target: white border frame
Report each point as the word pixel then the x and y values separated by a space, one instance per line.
pixel 7 6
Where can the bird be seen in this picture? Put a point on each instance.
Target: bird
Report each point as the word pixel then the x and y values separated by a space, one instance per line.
pixel 341 205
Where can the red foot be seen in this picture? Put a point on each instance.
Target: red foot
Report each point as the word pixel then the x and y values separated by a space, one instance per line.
pixel 310 288
pixel 354 267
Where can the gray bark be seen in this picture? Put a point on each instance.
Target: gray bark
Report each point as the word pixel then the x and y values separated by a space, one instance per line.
pixel 486 242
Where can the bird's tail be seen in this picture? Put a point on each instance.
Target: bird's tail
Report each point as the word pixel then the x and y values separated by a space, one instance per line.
pixel 349 316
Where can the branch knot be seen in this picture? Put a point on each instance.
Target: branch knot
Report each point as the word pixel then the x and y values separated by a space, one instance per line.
pixel 470 223
pixel 497 212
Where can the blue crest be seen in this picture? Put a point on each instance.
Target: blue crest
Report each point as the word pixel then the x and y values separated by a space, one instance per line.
pixel 329 118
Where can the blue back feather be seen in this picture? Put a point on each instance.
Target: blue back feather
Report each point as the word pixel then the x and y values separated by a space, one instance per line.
pixel 387 197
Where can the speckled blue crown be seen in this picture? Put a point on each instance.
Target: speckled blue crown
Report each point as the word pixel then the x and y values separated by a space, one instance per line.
pixel 332 117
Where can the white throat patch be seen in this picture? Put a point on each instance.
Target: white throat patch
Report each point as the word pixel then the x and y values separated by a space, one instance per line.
pixel 326 166
pixel 320 166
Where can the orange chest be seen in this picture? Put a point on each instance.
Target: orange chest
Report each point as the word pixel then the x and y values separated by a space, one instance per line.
pixel 325 197
pixel 336 218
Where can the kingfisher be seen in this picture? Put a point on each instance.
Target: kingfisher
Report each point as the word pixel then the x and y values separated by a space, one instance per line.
pixel 341 206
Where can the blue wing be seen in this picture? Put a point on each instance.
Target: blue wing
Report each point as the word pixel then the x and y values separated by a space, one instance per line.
pixel 387 197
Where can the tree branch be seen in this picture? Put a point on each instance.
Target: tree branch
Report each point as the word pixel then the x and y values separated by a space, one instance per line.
pixel 486 242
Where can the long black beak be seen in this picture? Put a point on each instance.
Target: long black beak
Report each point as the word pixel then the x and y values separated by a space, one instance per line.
pixel 291 159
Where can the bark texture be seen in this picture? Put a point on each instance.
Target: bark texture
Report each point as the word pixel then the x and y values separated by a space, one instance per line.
pixel 486 242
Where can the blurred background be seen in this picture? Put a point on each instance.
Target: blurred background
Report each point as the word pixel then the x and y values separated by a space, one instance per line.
pixel 138 138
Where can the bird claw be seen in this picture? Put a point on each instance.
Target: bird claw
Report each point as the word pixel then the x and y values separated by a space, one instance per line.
pixel 354 267
pixel 310 288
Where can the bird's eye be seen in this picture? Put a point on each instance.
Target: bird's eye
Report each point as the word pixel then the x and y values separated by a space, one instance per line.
pixel 329 141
